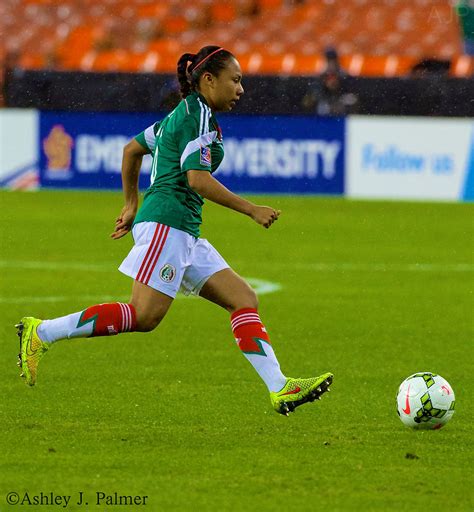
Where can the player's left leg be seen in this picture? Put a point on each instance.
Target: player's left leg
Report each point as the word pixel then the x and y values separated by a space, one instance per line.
pixel 99 320
pixel 146 309
pixel 230 291
pixel 155 263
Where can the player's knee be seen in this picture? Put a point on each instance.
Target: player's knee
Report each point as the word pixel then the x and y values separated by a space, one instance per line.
pixel 248 299
pixel 147 322
pixel 147 325
pixel 253 299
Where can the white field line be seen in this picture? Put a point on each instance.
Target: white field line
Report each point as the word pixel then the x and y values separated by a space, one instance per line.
pixel 260 286
pixel 387 267
pixel 62 298
pixel 59 265
pixel 320 266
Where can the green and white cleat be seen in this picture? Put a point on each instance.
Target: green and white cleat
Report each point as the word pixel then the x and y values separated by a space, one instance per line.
pixel 297 392
pixel 32 349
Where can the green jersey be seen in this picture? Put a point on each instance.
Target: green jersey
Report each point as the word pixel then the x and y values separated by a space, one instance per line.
pixel 188 138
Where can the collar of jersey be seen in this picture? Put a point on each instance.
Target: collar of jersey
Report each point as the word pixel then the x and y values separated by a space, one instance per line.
pixel 213 118
pixel 202 98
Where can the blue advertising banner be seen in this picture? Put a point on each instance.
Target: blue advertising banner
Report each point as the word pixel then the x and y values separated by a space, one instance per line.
pixel 263 154
pixel 84 150
pixel 284 154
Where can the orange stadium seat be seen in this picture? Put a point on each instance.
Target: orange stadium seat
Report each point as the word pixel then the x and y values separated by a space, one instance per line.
pixel 153 10
pixel 270 4
pixel 174 24
pixel 75 47
pixel 381 38
pixel 32 61
pixel 308 64
pixel 223 12
pixel 165 46
pixel 166 62
pixel 112 60
pixel 462 66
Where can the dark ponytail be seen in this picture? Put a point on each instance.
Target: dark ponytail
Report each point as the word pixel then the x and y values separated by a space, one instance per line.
pixel 191 67
pixel 185 85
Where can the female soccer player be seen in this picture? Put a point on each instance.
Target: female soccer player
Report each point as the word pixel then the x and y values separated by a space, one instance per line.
pixel 168 254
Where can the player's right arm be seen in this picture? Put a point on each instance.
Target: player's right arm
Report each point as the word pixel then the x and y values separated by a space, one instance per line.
pixel 133 153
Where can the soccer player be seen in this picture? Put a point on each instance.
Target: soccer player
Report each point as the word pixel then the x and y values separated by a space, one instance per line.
pixel 168 254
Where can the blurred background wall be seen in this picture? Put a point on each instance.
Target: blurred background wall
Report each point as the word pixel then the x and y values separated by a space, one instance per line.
pixel 307 59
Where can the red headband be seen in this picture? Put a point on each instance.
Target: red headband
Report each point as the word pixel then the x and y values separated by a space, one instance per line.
pixel 205 58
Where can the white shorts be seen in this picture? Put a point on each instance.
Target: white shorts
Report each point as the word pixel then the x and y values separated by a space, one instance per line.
pixel 170 260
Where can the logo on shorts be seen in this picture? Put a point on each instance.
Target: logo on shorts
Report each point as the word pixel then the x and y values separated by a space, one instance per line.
pixel 167 273
pixel 205 155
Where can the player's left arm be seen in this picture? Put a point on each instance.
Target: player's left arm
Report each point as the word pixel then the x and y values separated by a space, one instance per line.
pixel 133 154
pixel 209 188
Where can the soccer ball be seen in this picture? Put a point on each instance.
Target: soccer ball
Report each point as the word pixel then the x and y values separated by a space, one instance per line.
pixel 425 401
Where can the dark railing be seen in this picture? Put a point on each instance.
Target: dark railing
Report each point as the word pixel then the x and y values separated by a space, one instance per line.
pixel 434 95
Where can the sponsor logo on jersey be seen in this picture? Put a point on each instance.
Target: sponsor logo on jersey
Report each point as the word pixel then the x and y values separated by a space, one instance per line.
pixel 167 273
pixel 205 155
pixel 57 147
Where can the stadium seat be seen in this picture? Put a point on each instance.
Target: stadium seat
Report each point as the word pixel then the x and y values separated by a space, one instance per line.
pixel 271 36
pixel 174 24
pixel 223 12
pixel 462 66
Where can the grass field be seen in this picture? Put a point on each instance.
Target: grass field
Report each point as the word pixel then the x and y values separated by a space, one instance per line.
pixel 372 291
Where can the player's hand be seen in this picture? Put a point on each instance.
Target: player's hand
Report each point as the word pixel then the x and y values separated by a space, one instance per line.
pixel 264 215
pixel 124 222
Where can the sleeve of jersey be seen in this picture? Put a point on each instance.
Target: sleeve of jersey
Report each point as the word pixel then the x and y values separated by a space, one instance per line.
pixel 147 138
pixel 194 146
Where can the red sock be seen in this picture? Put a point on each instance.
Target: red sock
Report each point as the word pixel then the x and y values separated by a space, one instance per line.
pixel 253 341
pixel 248 330
pixel 109 319
pixel 99 320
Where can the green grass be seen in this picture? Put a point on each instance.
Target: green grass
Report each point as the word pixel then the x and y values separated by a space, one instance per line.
pixel 180 416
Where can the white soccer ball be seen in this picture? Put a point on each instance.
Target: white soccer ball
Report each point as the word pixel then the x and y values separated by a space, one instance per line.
pixel 425 401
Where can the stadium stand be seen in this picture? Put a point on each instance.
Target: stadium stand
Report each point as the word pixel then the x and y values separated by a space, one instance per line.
pixel 374 38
